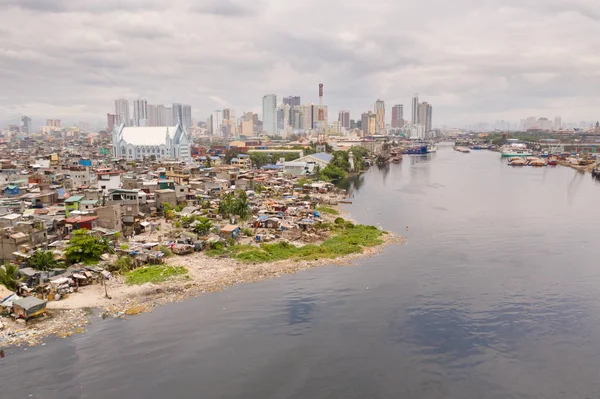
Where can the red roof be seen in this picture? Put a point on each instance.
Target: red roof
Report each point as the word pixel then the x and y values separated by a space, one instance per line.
pixel 80 219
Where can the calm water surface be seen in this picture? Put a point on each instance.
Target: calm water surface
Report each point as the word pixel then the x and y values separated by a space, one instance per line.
pixel 496 294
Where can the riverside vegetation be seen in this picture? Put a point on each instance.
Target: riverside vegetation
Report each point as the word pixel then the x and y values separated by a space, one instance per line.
pixel 347 238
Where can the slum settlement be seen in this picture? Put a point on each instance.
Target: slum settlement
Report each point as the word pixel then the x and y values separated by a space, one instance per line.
pixel 80 230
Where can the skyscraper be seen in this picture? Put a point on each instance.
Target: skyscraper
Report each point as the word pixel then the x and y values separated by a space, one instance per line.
pixel 177 113
pixel 344 119
pixel 415 110
pixel 186 116
pixel 397 116
pixel 216 121
pixel 269 114
pixel 111 121
pixel 140 112
pixel 380 114
pixel 152 115
pixel 122 111
pixel 26 125
pixel 425 112
pixel 292 101
pixel 369 123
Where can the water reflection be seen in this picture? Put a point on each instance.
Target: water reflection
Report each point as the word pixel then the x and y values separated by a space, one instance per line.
pixel 352 184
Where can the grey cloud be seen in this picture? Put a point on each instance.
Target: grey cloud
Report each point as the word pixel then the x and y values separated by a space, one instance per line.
pixel 228 8
pixel 67 6
pixel 496 59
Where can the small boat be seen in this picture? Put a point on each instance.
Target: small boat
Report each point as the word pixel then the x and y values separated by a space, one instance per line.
pixel 552 161
pixel 516 161
pixel 464 150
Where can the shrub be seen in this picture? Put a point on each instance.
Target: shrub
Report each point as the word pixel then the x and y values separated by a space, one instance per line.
pixel 166 251
pixel 124 247
pixel 247 232
pixel 85 248
pixel 123 264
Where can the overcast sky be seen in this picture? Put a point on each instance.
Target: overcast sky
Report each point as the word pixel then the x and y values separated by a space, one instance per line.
pixel 474 60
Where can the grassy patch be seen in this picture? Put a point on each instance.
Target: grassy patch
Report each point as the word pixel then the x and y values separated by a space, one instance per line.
pixel 153 274
pixel 327 209
pixel 349 239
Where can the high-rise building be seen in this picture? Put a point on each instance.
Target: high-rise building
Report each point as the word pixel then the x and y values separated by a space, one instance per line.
pixel 415 110
pixel 315 116
pixel 292 101
pixel 177 110
pixel 216 122
pixel 369 123
pixel 297 117
pixel 122 111
pixel 111 121
pixel 186 116
pixel 26 124
pixel 164 115
pixel 425 112
pixel 344 119
pixel 152 115
pixel 557 123
pixel 247 125
pixel 140 112
pixel 380 112
pixel 269 113
pixel 53 123
pixel 84 127
pixel 397 116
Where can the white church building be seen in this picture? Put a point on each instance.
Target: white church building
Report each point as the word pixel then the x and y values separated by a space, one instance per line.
pixel 162 142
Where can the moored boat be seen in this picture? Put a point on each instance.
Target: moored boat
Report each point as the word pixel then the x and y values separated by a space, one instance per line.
pixel 516 161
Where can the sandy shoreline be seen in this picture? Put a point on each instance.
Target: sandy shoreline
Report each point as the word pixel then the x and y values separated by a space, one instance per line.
pixel 205 274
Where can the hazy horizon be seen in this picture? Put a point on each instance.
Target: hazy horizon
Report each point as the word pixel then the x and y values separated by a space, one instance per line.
pixel 501 60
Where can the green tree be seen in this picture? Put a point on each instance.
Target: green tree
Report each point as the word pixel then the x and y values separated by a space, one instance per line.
pixel 259 159
pixel 226 204
pixel 235 205
pixel 332 173
pixel 241 206
pixel 42 260
pixel 8 276
pixel 208 162
pixel 85 248
pixel 229 155
pixel 202 226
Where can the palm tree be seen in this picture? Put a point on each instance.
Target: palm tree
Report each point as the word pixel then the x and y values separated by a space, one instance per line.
pixel 42 260
pixel 8 276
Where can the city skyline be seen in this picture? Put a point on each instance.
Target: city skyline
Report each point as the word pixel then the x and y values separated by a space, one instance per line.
pixel 471 72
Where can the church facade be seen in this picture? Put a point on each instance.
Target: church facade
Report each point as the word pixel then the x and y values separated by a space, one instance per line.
pixel 160 142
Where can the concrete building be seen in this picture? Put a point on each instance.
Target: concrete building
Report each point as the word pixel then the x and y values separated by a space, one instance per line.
pixel 25 124
pixel 369 123
pixel 344 119
pixel 269 113
pixel 140 112
pixel 380 115
pixel 315 116
pixel 108 180
pixel 170 142
pixel 216 122
pixel 425 112
pixel 247 125
pixel 186 116
pixel 415 110
pixel 292 101
pixel 152 114
pixel 122 112
pixel 397 116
